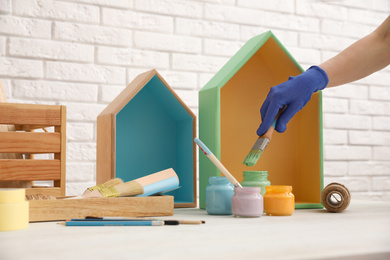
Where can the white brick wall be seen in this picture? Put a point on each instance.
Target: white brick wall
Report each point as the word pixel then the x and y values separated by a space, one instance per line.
pixel 82 53
pixel 167 42
pixel 95 34
pixel 28 27
pixel 42 49
pixel 136 20
pixel 56 10
pixel 130 57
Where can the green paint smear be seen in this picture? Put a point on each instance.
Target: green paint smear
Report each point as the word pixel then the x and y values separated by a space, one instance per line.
pixel 252 158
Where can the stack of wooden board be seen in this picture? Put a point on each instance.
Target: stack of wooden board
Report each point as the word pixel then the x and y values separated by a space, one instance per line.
pixel 63 209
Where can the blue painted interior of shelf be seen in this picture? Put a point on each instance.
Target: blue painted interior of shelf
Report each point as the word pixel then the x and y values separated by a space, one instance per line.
pixel 154 132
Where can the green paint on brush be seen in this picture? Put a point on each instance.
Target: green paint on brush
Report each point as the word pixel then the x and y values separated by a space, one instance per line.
pixel 252 158
pixel 256 151
pixel 260 144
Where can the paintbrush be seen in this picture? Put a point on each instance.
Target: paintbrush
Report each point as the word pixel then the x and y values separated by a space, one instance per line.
pixel 259 146
pixel 107 184
pixel 125 189
pixel 261 143
pixel 144 186
pixel 217 163
pixel 166 221
pixel 112 223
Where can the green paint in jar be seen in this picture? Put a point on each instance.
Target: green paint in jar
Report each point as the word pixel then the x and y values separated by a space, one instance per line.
pixel 256 179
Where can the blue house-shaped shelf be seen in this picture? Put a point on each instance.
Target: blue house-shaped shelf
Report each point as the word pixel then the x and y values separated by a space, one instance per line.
pixel 229 115
pixel 145 129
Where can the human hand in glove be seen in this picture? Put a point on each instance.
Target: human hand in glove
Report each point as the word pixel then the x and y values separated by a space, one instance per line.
pixel 292 94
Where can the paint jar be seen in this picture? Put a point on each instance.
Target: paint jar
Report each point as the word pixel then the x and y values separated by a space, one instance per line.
pixel 279 200
pixel 247 202
pixel 219 193
pixel 256 179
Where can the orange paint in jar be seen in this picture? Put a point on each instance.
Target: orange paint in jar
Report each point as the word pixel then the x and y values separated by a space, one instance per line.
pixel 279 200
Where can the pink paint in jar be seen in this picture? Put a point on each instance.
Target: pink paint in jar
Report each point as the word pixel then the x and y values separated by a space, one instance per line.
pixel 247 202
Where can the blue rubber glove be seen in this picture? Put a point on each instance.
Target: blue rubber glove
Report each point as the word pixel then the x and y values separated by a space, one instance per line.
pixel 294 94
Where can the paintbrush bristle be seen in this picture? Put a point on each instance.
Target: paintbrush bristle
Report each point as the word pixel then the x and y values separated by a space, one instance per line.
pixel 126 189
pixel 113 182
pixel 131 188
pixel 107 184
pixel 252 158
pixel 256 151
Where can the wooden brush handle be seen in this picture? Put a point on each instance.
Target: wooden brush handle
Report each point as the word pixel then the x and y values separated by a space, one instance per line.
pixel 271 129
pixel 222 168
pixel 268 134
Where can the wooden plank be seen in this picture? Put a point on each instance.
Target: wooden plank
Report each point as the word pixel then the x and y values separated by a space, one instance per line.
pixel 32 170
pixel 184 105
pixel 186 205
pixel 62 155
pixel 195 160
pixel 3 97
pixel 21 142
pixel 129 92
pixel 15 184
pixel 7 128
pixel 27 128
pixel 53 191
pixel 105 154
pixel 30 114
pixel 62 209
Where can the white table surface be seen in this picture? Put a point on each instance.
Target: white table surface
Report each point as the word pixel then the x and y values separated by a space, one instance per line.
pixel 360 232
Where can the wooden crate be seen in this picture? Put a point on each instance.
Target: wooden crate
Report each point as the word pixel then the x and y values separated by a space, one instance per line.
pixel 61 209
pixel 27 118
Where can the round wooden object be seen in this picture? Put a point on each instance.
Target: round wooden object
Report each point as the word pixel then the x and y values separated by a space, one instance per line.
pixel 335 197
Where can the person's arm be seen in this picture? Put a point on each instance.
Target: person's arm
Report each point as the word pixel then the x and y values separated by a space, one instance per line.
pixel 359 60
pixel 364 57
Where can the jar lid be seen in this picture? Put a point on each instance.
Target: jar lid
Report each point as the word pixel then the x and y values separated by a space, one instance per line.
pixel 256 172
pixel 247 189
pixel 218 180
pixel 278 188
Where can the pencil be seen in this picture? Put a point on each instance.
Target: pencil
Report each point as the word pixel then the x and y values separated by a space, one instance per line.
pixel 113 223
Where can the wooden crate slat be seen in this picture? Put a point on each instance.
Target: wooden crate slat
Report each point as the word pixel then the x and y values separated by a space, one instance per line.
pixel 26 114
pixel 20 142
pixel 27 117
pixel 62 155
pixel 53 191
pixel 32 170
pixel 30 127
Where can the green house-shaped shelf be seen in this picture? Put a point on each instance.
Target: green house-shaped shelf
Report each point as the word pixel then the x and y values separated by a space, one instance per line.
pixel 229 115
pixel 146 129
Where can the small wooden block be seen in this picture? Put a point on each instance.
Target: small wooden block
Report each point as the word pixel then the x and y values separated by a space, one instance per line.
pixel 63 209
